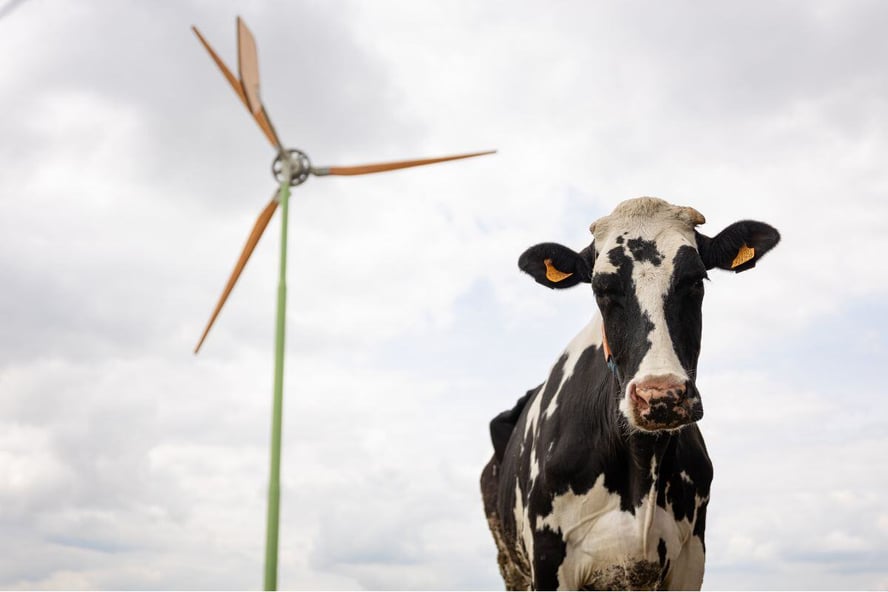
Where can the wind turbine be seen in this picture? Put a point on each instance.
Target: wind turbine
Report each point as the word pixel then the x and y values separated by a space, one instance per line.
pixel 290 167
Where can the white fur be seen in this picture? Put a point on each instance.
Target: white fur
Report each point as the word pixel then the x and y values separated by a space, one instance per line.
pixel 671 227
pixel 589 336
pixel 598 533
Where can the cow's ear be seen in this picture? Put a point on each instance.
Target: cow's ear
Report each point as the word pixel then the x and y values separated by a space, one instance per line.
pixel 556 266
pixel 739 246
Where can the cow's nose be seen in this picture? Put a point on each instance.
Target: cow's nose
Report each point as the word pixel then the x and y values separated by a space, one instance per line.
pixel 663 402
pixel 657 389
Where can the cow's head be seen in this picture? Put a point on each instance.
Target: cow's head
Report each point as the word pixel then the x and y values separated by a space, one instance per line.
pixel 647 264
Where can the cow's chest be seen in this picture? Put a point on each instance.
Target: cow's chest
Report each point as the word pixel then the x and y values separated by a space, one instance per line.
pixel 606 547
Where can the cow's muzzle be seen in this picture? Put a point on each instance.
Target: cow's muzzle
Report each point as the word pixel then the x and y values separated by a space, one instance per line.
pixel 664 403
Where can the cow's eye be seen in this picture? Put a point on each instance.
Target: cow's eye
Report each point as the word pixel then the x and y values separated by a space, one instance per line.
pixel 610 297
pixel 694 284
pixel 609 303
pixel 607 284
pixel 608 290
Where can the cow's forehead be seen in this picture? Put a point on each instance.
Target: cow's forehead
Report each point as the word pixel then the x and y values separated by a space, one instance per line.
pixel 648 218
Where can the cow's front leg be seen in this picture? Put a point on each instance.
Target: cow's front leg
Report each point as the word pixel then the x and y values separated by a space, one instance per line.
pixel 548 555
pixel 686 573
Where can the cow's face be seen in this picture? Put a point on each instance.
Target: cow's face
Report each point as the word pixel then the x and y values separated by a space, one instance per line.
pixel 647 265
pixel 648 282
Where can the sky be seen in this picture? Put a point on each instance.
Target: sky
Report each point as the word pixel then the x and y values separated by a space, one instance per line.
pixel 132 176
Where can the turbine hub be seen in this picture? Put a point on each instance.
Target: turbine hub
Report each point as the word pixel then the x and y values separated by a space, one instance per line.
pixel 292 166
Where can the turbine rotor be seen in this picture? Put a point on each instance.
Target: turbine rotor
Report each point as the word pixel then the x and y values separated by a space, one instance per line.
pixel 291 166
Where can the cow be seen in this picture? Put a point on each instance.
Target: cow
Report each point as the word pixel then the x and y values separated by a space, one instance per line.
pixel 600 477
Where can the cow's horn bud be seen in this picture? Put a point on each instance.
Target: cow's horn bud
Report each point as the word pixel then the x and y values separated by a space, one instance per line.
pixel 695 217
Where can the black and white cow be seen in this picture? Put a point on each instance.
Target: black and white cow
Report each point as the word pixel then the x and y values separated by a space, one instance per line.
pixel 600 477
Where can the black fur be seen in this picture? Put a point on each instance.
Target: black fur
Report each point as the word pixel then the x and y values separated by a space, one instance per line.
pixel 721 250
pixel 502 425
pixel 627 327
pixel 550 549
pixel 644 250
pixel 565 260
pixel 683 308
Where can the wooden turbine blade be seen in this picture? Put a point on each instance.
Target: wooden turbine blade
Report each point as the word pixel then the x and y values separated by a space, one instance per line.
pixel 255 235
pixel 260 117
pixel 248 66
pixel 366 169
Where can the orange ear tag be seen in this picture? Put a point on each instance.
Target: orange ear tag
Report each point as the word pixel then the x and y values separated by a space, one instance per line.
pixel 607 350
pixel 553 274
pixel 608 355
pixel 745 254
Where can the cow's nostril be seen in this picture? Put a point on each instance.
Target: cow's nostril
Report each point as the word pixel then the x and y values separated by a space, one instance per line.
pixel 640 400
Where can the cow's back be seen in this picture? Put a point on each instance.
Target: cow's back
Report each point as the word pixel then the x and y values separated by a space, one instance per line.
pixel 503 468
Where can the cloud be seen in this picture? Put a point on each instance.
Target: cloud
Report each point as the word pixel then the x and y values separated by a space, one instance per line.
pixel 132 176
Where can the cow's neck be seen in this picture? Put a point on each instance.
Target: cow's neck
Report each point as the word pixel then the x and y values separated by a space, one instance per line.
pixel 645 461
pixel 639 455
pixel 590 419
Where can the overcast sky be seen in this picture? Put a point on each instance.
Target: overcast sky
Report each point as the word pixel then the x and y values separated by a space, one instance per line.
pixel 132 175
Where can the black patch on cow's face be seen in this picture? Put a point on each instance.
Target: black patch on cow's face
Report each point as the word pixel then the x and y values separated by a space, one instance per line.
pixel 645 250
pixel 626 325
pixel 683 309
pixel 617 257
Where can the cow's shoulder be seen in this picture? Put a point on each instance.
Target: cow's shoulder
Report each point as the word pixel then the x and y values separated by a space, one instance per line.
pixel 693 459
pixel 581 429
pixel 572 390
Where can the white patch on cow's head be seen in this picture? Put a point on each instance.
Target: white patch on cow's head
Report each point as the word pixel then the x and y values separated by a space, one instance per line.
pixel 651 209
pixel 648 232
